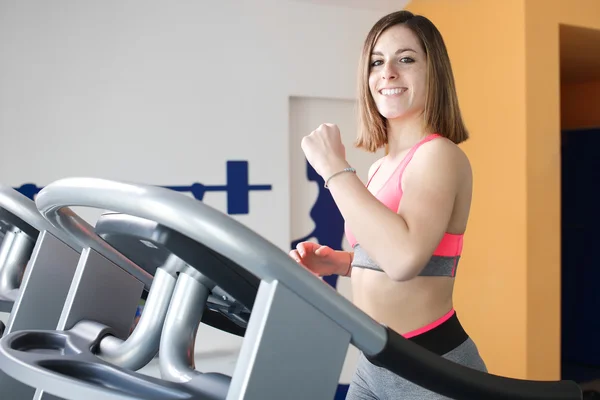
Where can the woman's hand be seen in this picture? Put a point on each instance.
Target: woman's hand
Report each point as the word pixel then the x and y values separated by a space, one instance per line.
pixel 322 260
pixel 324 150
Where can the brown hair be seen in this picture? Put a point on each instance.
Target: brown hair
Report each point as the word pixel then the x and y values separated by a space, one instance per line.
pixel 442 113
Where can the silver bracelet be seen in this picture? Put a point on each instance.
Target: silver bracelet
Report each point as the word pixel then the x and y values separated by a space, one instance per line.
pixel 349 169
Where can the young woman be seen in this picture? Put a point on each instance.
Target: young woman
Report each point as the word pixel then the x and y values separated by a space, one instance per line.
pixel 406 224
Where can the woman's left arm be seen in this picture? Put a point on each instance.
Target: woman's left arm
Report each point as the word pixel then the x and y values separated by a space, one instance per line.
pixel 400 242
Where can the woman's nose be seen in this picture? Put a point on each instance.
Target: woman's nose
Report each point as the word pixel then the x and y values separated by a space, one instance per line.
pixel 389 73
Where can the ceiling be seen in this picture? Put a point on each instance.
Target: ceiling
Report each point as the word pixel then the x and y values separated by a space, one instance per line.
pixel 579 54
pixel 377 5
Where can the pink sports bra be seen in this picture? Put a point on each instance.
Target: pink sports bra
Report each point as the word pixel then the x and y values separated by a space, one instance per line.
pixel 445 258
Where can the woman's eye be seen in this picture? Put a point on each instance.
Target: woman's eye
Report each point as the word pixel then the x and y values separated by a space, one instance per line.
pixel 404 60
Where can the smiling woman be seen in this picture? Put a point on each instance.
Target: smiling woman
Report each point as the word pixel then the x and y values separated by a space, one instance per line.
pixel 406 225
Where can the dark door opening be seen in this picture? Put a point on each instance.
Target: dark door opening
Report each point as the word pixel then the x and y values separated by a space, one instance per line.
pixel 580 202
pixel 580 236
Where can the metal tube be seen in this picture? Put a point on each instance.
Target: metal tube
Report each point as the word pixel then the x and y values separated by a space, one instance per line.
pixel 143 343
pixel 24 208
pixel 174 265
pixel 176 354
pixel 15 252
pixel 83 233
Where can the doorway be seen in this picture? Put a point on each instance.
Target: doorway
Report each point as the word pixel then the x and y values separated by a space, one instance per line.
pixel 580 214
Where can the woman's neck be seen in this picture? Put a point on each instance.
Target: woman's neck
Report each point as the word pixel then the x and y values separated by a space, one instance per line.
pixel 404 134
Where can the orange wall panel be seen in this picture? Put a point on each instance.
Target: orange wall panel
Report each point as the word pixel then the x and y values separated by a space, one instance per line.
pixel 486 43
pixel 505 56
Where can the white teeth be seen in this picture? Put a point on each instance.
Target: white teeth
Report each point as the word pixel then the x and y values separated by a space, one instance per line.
pixel 389 92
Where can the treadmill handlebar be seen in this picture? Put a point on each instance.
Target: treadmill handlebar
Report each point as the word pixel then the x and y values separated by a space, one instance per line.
pixel 83 233
pixel 216 230
pixel 24 208
pixel 456 381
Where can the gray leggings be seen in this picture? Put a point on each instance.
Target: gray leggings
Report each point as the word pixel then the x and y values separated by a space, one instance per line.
pixel 371 382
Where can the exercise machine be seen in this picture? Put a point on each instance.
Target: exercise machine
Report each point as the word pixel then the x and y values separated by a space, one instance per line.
pixel 31 292
pixel 295 341
pixel 18 239
pixel 23 229
pixel 108 293
pixel 48 260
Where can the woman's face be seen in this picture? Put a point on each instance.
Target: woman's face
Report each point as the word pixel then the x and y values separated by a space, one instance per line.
pixel 398 73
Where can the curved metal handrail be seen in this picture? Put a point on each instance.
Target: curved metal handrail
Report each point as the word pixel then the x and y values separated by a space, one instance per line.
pixel 23 207
pixel 216 230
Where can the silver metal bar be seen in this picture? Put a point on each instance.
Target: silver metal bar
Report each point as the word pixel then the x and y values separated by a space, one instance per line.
pixel 24 208
pixel 143 343
pixel 216 230
pixel 176 353
pixel 83 233
pixel 15 252
pixel 174 265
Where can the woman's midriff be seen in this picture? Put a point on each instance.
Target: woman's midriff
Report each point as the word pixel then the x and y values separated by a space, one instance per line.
pixel 403 306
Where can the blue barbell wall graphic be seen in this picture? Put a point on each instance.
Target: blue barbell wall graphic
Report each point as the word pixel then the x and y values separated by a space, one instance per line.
pixel 237 188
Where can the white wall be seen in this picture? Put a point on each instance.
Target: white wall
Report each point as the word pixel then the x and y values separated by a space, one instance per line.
pixel 165 92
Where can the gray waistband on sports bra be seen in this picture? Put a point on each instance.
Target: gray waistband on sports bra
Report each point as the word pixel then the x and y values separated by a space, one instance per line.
pixel 437 265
